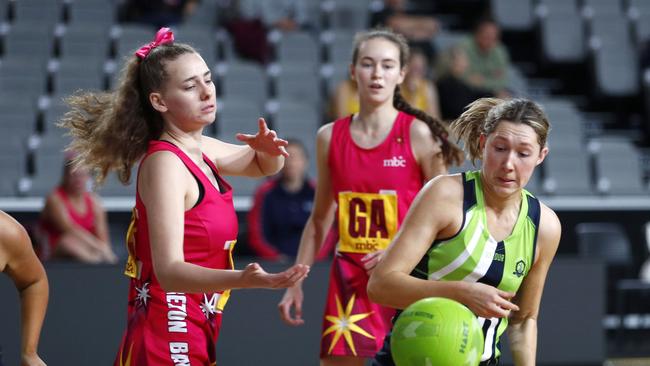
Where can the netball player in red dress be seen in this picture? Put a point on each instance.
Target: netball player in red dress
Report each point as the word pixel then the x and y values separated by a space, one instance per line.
pixel 370 167
pixel 184 226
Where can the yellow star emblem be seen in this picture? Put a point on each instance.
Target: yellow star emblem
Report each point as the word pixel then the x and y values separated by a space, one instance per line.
pixel 344 324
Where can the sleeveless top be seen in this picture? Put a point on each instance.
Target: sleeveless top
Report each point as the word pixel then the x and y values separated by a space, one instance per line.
pixel 210 227
pixel 472 254
pixel 373 187
pixel 85 220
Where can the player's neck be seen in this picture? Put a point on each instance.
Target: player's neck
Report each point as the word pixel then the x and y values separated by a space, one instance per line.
pixel 373 118
pixel 189 143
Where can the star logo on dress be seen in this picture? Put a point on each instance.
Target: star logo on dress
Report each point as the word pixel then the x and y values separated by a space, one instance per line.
pixel 209 307
pixel 344 324
pixel 143 294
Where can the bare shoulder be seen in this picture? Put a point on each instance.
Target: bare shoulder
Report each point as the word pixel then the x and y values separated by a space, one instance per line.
pixel 419 129
pixel 325 132
pixel 421 136
pixel 445 188
pixel 97 201
pixel 549 222
pixel 13 238
pixel 550 231
pixel 160 163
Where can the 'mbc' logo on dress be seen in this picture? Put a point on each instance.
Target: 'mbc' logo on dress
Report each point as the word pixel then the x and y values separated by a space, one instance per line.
pixel 395 162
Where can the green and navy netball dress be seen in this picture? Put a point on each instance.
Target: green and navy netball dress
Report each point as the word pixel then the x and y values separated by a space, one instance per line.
pixel 472 255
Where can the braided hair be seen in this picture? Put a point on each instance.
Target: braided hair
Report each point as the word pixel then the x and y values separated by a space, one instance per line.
pixel 453 155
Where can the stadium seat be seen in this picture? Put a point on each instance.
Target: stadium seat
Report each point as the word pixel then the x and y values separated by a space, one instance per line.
pixel 513 15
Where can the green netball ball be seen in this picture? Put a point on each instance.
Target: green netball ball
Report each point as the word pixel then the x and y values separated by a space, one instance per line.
pixel 436 332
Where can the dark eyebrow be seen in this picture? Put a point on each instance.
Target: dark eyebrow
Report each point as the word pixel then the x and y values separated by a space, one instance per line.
pixel 384 60
pixel 205 74
pixel 497 137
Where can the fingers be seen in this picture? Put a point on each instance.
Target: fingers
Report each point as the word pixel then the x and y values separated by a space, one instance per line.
pixel 243 137
pixel 369 256
pixel 261 123
pixel 292 275
pixel 283 151
pixel 506 295
pixel 285 313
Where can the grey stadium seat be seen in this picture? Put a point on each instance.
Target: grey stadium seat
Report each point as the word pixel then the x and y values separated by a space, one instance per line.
pixel 514 15
pixel 563 38
pixel 243 80
pixel 618 165
pixel 297 47
pixel 236 115
pixel 616 70
pixel 567 172
pixel 300 82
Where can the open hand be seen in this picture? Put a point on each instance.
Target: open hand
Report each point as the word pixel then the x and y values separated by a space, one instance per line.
pixel 265 140
pixel 254 276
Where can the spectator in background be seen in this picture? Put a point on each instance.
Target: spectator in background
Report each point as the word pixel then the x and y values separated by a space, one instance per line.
pixel 488 59
pixel 73 223
pixel 18 261
pixel 345 99
pixel 281 208
pixel 455 93
pixel 249 22
pixel 417 89
pixel 157 13
pixel 408 18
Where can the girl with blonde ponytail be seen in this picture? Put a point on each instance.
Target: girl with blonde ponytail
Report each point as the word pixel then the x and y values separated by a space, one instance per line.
pixel 479 237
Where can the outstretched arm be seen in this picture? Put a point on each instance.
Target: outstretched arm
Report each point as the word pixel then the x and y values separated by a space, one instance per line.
pixel 522 330
pixel 163 186
pixel 28 275
pixel 263 155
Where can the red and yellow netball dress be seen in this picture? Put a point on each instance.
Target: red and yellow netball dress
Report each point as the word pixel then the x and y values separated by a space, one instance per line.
pixel 374 189
pixel 174 328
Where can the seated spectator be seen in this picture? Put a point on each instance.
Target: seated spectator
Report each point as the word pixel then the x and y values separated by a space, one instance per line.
pixel 158 13
pixel 345 99
pixel 73 223
pixel 455 93
pixel 406 17
pixel 281 208
pixel 249 22
pixel 488 59
pixel 418 90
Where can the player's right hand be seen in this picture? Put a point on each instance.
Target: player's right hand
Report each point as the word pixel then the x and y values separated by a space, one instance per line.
pixel 292 299
pixel 489 302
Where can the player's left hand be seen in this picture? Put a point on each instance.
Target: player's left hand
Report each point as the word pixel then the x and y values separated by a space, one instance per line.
pixel 265 140
pixel 370 260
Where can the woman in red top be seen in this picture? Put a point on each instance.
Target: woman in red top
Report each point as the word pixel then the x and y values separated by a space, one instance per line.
pixel 370 167
pixel 184 225
pixel 73 221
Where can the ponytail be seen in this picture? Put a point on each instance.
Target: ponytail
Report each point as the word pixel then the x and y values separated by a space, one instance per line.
pixel 483 115
pixel 452 154
pixel 111 131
